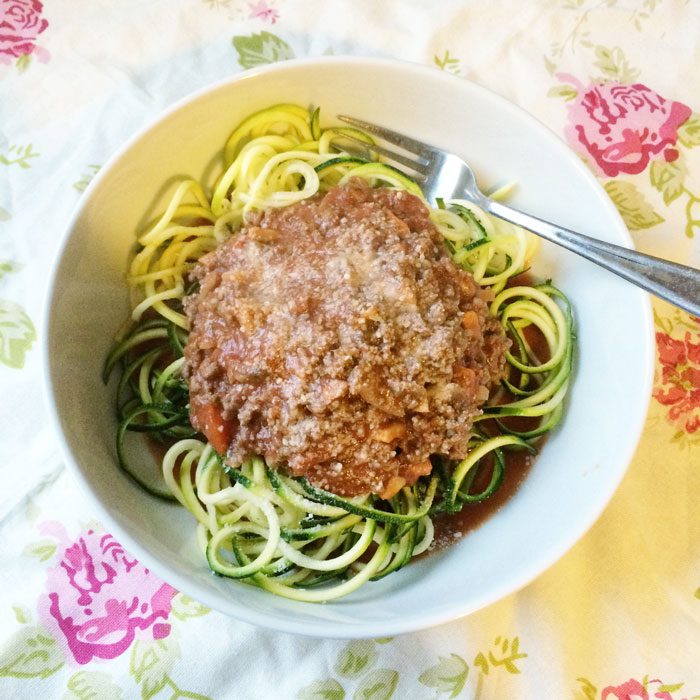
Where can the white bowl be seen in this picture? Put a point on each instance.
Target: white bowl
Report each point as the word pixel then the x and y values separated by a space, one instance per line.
pixel 581 464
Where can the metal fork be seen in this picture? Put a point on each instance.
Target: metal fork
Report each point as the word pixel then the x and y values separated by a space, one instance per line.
pixel 445 175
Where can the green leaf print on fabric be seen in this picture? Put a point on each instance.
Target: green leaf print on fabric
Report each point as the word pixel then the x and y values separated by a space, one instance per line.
pixel 355 658
pixel 640 16
pixel 566 92
pixel 184 607
pixel 22 614
pixel 86 178
pixel 507 652
pixel 18 155
pixel 482 663
pixel 42 550
pixel 613 64
pixel 668 178
pixel 322 690
pixel 448 676
pixel 4 215
pixel 692 220
pixel 447 63
pixel 677 320
pixel 353 663
pixel 689 132
pixel 260 49
pixel 151 662
pixel 587 691
pixel 23 62
pixel 30 653
pixel 92 685
pixel 7 266
pixel 379 684
pixel 16 334
pixel 150 665
pixel 630 202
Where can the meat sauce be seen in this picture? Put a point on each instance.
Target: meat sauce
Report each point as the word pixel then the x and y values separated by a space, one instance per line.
pixel 337 338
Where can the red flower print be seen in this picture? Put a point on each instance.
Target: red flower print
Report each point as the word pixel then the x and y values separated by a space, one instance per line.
pixel 100 599
pixel 20 24
pixel 631 690
pixel 623 127
pixel 678 379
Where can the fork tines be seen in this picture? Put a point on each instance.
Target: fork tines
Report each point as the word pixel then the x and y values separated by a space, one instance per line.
pixel 422 152
pixel 418 166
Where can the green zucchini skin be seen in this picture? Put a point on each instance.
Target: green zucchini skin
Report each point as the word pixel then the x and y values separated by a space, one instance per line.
pixel 285 535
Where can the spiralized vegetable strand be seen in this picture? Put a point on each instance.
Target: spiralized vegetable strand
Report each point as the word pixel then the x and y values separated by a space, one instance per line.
pixel 253 523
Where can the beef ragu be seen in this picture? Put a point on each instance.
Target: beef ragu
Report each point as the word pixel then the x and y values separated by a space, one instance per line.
pixel 338 339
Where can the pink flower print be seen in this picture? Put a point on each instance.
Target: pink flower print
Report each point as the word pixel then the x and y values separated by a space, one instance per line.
pixel 623 127
pixel 261 10
pixel 634 690
pixel 631 690
pixel 101 600
pixel 20 24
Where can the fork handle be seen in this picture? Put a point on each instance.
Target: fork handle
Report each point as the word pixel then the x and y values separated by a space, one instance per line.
pixel 677 284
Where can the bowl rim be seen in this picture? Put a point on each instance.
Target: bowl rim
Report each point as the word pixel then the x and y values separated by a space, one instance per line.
pixel 319 628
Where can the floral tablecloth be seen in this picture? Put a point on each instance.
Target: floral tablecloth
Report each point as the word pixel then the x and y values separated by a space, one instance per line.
pixel 617 617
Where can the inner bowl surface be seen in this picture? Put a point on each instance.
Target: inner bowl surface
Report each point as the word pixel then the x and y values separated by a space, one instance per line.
pixel 582 462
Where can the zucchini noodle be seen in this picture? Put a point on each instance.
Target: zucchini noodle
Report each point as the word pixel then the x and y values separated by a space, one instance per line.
pixel 254 523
